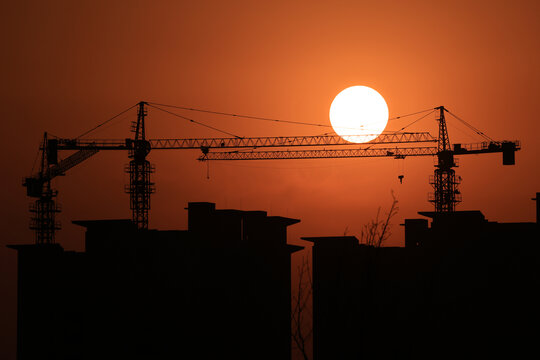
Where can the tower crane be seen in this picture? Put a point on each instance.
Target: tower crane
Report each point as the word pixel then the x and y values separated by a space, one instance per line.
pixel 140 187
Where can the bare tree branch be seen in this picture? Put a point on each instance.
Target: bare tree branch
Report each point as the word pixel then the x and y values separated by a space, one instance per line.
pixel 373 234
pixel 302 327
pixel 377 231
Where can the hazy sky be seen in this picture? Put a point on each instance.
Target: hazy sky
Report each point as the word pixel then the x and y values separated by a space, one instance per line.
pixel 69 65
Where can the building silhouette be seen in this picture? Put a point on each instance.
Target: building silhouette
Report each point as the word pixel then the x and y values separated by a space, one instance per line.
pixel 462 287
pixel 220 289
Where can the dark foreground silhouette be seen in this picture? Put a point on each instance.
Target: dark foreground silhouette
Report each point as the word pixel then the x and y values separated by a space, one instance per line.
pixel 220 289
pixel 463 287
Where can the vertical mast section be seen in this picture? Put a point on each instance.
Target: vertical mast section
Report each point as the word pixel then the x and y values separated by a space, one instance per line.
pixel 139 169
pixel 444 180
pixel 444 141
pixel 44 209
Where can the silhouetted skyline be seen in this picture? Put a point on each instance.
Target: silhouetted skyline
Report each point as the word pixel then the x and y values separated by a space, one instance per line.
pixel 220 288
pixel 67 67
pixel 461 287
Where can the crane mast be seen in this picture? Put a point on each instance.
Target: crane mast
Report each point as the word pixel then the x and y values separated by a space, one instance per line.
pixel 445 184
pixel 44 208
pixel 140 187
pixel 140 170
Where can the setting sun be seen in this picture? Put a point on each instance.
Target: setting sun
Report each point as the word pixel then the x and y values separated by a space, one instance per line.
pixel 359 114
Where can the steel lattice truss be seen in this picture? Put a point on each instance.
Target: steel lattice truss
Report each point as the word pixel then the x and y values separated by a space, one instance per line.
pixel 251 142
pixel 70 162
pixel 320 154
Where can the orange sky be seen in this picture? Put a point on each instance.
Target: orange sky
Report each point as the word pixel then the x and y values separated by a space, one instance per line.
pixel 67 66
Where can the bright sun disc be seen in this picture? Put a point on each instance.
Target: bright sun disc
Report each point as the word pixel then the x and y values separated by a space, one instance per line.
pixel 359 114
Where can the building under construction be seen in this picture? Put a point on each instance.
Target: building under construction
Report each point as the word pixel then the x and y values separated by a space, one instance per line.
pixel 223 286
pixel 220 289
pixel 462 287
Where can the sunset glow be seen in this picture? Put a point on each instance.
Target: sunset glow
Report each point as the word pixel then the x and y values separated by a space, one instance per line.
pixel 260 114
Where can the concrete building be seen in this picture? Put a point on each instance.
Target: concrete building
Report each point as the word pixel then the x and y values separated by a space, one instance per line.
pixel 461 287
pixel 220 289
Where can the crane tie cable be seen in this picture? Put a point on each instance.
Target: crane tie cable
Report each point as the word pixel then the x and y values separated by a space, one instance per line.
pixel 415 121
pixel 195 121
pixel 411 114
pixel 269 119
pixel 470 126
pixel 156 106
pixel 106 121
pixel 241 116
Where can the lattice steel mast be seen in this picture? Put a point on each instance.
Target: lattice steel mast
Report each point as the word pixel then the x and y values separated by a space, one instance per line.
pixel 139 169
pixel 44 208
pixel 445 184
